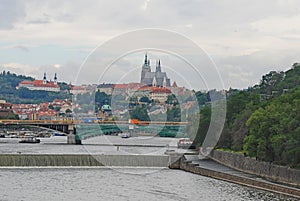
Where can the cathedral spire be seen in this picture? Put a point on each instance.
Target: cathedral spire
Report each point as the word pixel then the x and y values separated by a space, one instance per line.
pixel 158 68
pixel 146 60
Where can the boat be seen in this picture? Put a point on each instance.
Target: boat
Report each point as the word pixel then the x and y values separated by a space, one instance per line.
pixel 125 135
pixel 30 139
pixel 186 143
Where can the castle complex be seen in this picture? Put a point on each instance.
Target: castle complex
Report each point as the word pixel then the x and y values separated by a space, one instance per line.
pixel 157 78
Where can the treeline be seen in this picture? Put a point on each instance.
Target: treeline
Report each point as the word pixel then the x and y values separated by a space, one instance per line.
pixel 9 82
pixel 262 121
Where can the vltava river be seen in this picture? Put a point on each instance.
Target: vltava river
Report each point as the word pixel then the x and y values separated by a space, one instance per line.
pixel 115 184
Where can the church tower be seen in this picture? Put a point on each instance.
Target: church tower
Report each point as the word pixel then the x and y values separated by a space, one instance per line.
pixel 146 68
pixel 55 79
pixel 44 79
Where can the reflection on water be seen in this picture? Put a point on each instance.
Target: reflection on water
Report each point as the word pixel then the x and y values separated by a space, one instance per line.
pixel 108 184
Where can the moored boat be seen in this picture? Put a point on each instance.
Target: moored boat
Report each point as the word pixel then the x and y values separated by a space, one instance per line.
pixel 30 139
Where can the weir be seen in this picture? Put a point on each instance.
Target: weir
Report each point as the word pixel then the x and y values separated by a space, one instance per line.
pixel 26 160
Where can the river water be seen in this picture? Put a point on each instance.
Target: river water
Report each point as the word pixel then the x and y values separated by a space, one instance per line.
pixel 118 183
pixel 110 184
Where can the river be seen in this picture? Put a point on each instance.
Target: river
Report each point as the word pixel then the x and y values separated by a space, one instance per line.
pixel 111 184
pixel 118 183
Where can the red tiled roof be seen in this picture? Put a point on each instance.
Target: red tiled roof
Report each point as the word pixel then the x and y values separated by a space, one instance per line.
pixel 120 86
pixel 128 86
pixel 26 82
pixel 155 89
pixel 78 88
pixel 161 90
pixel 39 83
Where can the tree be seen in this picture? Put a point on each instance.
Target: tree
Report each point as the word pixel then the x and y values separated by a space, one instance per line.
pixel 140 113
pixel 171 99
pixel 174 114
pixel 144 99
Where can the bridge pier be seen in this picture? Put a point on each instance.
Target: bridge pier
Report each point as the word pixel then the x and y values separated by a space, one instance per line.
pixel 72 137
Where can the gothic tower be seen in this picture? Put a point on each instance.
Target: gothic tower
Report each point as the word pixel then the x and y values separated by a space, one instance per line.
pixel 146 68
pixel 44 79
pixel 158 68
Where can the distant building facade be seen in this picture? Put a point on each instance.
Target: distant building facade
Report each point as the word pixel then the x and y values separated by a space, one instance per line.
pixel 5 109
pixel 105 88
pixel 42 85
pixel 157 78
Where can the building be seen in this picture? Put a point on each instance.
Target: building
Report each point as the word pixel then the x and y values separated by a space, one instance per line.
pixel 42 85
pixel 105 88
pixel 159 94
pixel 126 89
pixel 75 90
pixel 25 111
pixel 5 109
pixel 157 78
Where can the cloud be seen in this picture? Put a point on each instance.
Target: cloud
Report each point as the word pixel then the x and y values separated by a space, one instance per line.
pixel 11 11
pixel 21 47
pixel 18 68
pixel 246 39
pixel 145 5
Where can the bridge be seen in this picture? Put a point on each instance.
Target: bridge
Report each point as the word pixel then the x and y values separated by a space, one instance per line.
pixel 64 126
pixel 76 130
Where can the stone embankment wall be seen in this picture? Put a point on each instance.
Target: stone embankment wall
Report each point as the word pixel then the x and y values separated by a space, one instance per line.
pixel 20 160
pixel 188 166
pixel 267 170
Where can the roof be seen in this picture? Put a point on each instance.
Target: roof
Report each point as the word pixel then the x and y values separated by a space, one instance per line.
pixel 78 88
pixel 161 90
pixel 155 89
pixel 39 83
pixel 105 107
pixel 128 86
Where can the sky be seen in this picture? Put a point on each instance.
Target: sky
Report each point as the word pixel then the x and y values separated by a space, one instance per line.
pixel 242 39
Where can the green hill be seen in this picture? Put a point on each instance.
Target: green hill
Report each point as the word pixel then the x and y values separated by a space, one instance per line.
pixel 8 91
pixel 263 121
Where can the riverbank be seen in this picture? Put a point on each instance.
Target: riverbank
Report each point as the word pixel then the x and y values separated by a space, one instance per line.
pixel 277 173
pixel 215 170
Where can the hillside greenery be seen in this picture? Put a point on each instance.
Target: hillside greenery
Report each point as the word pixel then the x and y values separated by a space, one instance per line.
pixel 9 82
pixel 262 121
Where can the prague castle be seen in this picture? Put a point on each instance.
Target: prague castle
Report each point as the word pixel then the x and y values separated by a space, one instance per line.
pixel 157 78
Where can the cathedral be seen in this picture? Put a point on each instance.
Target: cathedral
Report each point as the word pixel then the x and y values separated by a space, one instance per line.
pixel 157 78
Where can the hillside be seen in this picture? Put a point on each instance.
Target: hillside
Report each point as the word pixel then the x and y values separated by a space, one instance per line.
pixel 263 121
pixel 8 91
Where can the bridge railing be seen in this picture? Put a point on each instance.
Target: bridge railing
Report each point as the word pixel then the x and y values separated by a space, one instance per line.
pixel 68 121
pixel 10 121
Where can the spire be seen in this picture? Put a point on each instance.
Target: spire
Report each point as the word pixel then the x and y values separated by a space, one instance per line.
pixel 55 79
pixel 146 60
pixel 158 68
pixel 154 82
pixel 44 79
pixel 165 82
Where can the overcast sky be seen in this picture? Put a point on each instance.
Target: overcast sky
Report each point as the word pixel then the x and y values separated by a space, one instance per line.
pixel 244 38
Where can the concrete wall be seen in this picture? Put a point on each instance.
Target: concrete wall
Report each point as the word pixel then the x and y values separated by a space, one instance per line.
pixel 267 170
pixel 194 168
